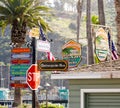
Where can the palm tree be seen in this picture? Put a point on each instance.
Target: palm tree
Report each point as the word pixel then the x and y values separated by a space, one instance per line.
pixel 101 12
pixel 117 7
pixel 79 13
pixel 20 15
pixel 90 56
pixel 94 20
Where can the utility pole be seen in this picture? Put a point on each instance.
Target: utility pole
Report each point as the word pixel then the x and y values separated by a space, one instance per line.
pixel 33 62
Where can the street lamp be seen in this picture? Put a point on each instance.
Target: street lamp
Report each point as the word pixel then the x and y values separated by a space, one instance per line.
pixel 2 79
pixel 47 85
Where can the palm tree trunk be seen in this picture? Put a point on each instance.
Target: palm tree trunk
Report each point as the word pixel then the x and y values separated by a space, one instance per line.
pixel 17 96
pixel 18 38
pixel 117 7
pixel 101 12
pixel 79 13
pixel 90 56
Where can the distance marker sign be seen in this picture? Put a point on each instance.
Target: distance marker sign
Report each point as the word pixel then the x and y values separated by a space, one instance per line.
pixel 57 65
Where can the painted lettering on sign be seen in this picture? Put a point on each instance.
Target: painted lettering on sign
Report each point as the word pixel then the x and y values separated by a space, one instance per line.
pixel 23 55
pixel 33 76
pixel 20 50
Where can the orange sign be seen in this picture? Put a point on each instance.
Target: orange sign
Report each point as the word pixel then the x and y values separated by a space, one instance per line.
pixel 19 85
pixel 71 48
pixel 20 50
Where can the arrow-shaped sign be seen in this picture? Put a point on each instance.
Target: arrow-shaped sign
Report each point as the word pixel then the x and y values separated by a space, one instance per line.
pixel 22 55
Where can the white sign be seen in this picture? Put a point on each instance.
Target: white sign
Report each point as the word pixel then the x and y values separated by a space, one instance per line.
pixel 43 46
pixel 24 55
pixel 17 78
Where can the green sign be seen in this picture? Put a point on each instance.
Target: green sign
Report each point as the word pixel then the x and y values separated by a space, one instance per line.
pixel 73 60
pixel 18 70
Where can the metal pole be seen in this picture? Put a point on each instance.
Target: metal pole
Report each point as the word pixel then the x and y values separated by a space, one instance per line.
pixel 2 79
pixel 33 62
pixel 1 76
pixel 46 99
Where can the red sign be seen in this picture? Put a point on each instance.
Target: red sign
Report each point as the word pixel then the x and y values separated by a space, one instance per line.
pixel 19 85
pixel 33 77
pixel 19 61
pixel 20 50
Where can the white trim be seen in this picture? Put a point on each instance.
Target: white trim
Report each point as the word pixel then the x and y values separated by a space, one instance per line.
pixel 83 91
pixel 81 75
pixel 86 75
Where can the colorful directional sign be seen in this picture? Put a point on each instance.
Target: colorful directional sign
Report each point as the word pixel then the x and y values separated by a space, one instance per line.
pixel 20 50
pixel 17 78
pixel 18 70
pixel 21 55
pixel 19 61
pixel 19 85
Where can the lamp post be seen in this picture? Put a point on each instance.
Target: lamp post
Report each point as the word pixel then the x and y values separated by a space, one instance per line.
pixel 46 87
pixel 2 79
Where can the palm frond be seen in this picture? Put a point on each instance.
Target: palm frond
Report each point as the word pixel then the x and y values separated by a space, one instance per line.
pixel 24 11
pixel 4 11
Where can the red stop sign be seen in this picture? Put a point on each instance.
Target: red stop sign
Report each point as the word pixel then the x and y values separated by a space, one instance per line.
pixel 33 77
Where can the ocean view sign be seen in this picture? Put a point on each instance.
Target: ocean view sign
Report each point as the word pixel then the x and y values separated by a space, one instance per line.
pixel 71 52
pixel 101 44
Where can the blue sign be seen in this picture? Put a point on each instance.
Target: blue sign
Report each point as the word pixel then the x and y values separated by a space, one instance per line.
pixel 63 93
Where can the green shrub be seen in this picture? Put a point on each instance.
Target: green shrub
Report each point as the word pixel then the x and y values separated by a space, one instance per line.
pixel 3 106
pixel 50 105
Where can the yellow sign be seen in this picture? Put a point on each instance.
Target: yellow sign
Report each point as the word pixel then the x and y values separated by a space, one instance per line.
pixel 34 32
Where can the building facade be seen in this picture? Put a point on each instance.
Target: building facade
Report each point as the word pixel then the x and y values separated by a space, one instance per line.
pixel 94 86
